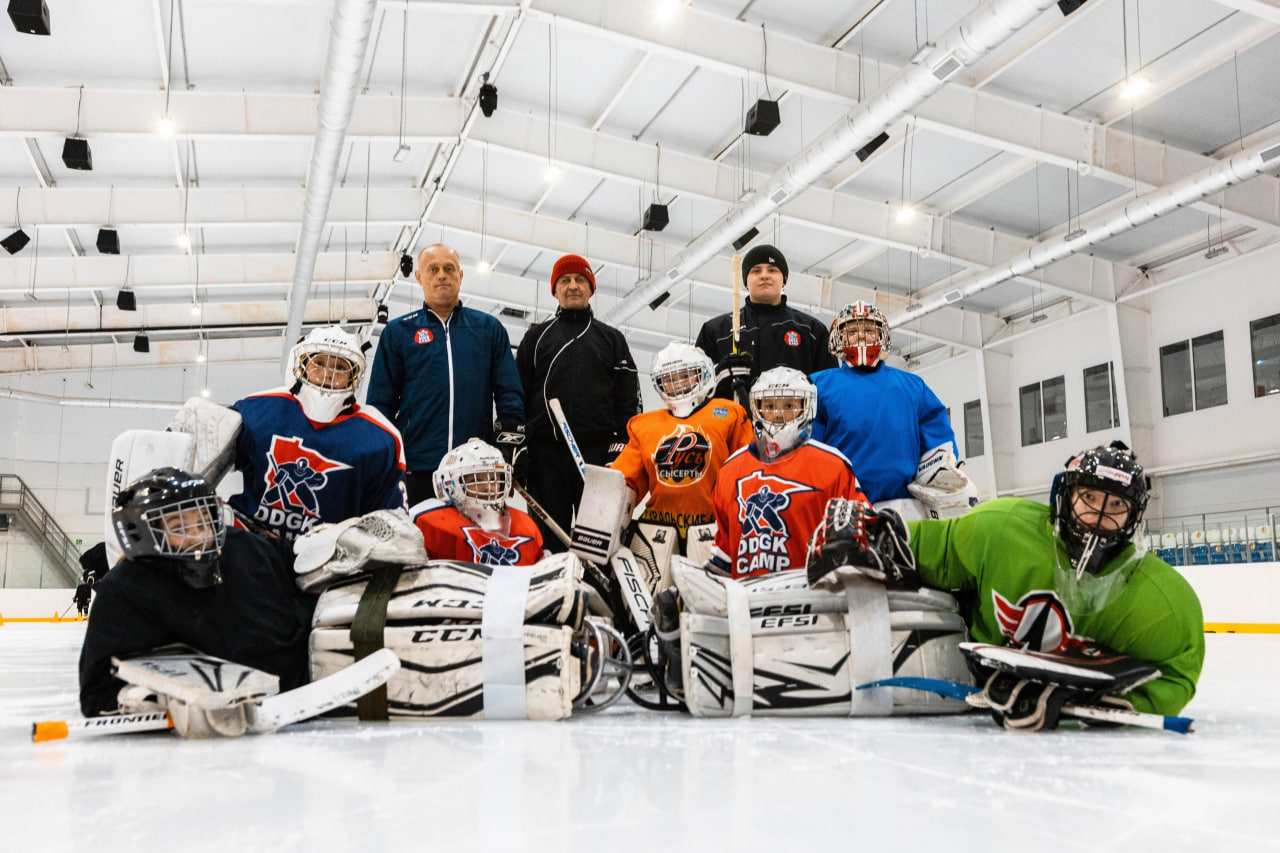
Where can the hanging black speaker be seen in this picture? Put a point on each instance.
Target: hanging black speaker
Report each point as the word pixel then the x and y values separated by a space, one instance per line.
pixel 141 343
pixel 76 154
pixel 30 16
pixel 655 218
pixel 108 241
pixel 15 242
pixel 763 118
pixel 126 301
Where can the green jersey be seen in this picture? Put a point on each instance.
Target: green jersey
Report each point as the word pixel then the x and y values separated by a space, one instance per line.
pixel 1025 592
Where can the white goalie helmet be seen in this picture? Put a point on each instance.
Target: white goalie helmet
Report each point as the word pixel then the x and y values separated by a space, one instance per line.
pixel 783 405
pixel 325 371
pixel 854 340
pixel 475 479
pixel 683 376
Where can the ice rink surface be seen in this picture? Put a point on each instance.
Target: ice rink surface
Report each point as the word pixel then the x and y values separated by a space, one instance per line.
pixel 634 780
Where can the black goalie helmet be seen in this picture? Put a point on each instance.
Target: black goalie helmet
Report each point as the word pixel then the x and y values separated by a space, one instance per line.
pixel 175 516
pixel 1097 504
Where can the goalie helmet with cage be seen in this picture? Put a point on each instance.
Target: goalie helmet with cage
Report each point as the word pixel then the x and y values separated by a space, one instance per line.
pixel 683 376
pixel 859 335
pixel 1097 504
pixel 325 370
pixel 475 479
pixel 176 516
pixel 783 405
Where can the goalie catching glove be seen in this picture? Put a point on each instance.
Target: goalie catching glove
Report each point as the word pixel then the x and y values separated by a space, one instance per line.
pixel 854 538
pixel 1030 691
pixel 332 551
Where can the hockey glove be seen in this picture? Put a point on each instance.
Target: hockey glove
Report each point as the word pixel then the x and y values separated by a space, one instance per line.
pixel 1024 705
pixel 332 551
pixel 733 374
pixel 615 450
pixel 510 440
pixel 854 537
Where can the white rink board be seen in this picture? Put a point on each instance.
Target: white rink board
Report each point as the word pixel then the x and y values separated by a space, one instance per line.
pixel 631 780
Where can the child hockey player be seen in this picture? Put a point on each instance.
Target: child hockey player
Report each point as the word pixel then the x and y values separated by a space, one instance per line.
pixel 673 454
pixel 772 494
pixel 469 519
pixel 889 424
pixel 1066 580
pixel 308 452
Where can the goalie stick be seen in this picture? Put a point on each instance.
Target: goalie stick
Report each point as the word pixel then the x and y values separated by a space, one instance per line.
pixel 1097 713
pixel 265 715
pixel 558 411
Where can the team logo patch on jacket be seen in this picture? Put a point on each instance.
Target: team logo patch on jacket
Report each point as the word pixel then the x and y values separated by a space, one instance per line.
pixel 681 457
pixel 295 475
pixel 491 549
pixel 762 505
pixel 423 336
pixel 791 339
pixel 1038 622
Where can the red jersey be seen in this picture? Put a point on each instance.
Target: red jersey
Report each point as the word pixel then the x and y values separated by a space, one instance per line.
pixel 450 535
pixel 675 460
pixel 766 512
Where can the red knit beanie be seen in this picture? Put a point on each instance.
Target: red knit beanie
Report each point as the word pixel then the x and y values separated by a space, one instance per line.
pixel 571 264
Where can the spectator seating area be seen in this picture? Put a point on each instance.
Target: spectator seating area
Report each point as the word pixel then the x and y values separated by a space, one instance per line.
pixel 1215 545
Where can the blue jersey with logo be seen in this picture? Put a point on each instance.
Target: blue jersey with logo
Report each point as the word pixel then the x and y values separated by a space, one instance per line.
pixel 299 473
pixel 883 420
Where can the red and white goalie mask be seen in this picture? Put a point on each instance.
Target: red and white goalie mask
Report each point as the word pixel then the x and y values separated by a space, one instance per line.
pixel 859 335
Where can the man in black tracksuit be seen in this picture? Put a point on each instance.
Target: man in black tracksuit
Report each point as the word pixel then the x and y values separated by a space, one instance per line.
pixel 772 335
pixel 587 365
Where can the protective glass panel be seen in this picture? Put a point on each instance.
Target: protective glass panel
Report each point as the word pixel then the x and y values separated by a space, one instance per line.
pixel 1175 378
pixel 1032 416
pixel 973 438
pixel 1100 408
pixel 1054 392
pixel 1209 361
pixel 1264 340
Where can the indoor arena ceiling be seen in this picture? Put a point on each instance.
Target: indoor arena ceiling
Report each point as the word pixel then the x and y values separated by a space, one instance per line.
pixel 1017 163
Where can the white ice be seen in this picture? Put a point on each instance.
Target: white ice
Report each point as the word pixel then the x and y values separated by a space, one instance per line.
pixel 635 780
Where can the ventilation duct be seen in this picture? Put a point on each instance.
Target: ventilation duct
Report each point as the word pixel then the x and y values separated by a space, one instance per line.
pixel 976 34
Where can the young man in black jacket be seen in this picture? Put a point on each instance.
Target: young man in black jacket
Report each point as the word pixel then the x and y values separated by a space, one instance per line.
pixel 587 365
pixel 772 334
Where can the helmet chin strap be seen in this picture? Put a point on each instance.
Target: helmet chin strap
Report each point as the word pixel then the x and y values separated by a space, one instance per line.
pixel 1091 542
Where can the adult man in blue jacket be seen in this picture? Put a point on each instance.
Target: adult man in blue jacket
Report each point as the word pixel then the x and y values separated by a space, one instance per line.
pixel 440 371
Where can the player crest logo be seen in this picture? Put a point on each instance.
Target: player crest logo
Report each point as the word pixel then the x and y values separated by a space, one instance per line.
pixel 791 339
pixel 1038 622
pixel 681 458
pixel 762 502
pixel 423 336
pixel 294 478
pixel 491 549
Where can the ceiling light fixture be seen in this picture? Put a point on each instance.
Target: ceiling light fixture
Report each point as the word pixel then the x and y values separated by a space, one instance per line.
pixel 905 213
pixel 184 241
pixel 1134 86
pixel 664 10
pixel 483 267
pixel 552 173
pixel 165 125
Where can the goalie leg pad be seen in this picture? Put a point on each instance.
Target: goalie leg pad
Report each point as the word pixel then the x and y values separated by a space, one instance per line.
pixel 700 539
pixel 653 546
pixel 205 696
pixel 801 651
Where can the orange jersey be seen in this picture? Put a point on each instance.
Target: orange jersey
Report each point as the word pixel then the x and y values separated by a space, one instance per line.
pixel 674 460
pixel 450 535
pixel 766 512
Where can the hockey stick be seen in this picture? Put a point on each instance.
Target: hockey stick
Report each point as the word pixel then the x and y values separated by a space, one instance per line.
pixel 972 695
pixel 265 715
pixel 541 512
pixel 736 285
pixel 558 411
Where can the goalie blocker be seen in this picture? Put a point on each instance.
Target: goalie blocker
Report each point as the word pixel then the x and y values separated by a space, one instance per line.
pixel 770 645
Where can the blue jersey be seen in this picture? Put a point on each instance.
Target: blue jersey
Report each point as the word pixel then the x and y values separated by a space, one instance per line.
pixel 299 473
pixel 884 420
